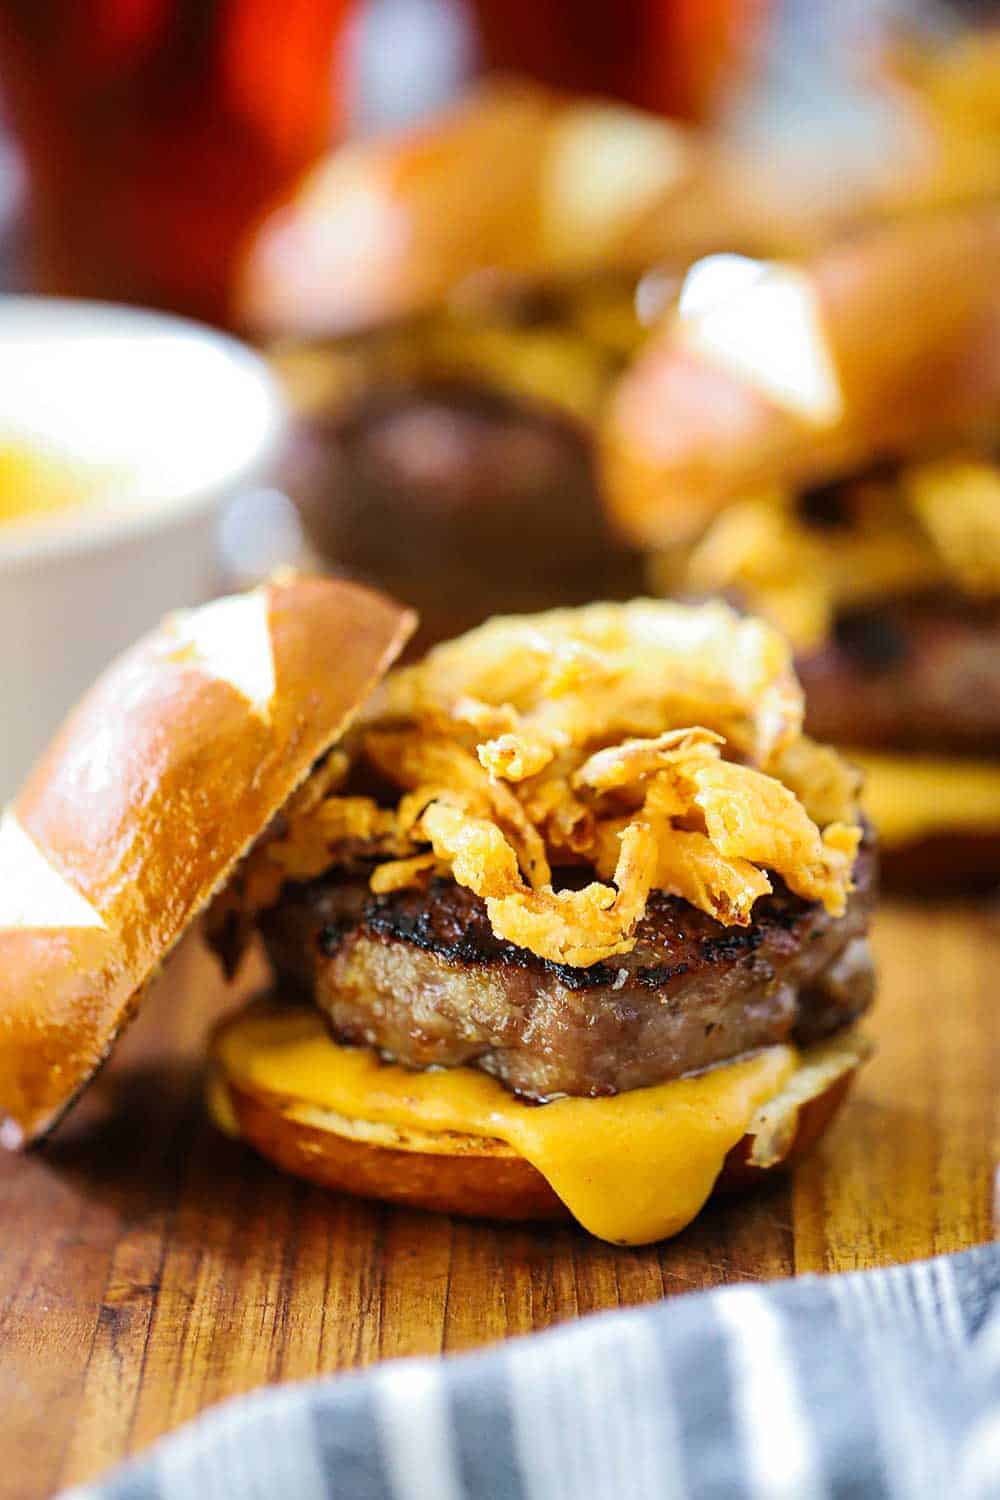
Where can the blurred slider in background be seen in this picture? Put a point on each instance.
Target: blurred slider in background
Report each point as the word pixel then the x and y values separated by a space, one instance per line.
pixel 450 306
pixel 819 443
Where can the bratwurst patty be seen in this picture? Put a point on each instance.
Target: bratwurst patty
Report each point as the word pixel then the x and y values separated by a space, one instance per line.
pixel 420 976
pixel 464 500
pixel 916 674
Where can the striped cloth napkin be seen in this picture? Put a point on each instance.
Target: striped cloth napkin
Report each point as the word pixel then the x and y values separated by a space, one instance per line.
pixel 872 1384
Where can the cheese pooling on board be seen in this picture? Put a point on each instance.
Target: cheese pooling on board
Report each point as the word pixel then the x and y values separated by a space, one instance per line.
pixel 562 766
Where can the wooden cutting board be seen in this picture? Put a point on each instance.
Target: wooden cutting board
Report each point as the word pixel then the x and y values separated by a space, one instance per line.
pixel 150 1267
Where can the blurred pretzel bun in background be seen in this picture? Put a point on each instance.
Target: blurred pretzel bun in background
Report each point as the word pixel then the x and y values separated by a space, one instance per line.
pixel 215 762
pixel 819 442
pixel 516 182
pixel 528 184
pixel 776 373
pixel 449 306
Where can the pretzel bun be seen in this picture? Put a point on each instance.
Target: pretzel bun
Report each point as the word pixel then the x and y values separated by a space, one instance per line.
pixel 793 376
pixel 475 1176
pixel 451 1174
pixel 153 790
pixel 516 182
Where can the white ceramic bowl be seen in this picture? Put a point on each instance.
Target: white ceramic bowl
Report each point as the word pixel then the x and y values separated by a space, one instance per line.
pixel 184 418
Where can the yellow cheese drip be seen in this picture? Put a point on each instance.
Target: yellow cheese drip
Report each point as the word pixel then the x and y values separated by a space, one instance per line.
pixel 909 797
pixel 632 1168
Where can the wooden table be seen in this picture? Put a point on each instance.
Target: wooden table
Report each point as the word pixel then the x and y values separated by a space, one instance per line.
pixel 151 1267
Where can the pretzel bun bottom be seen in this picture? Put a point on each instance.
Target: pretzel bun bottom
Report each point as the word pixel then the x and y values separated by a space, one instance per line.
pixel 468 1175
pixel 446 1173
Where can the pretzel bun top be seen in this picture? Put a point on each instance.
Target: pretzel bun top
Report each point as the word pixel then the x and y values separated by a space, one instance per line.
pixel 793 376
pixel 515 183
pixel 152 791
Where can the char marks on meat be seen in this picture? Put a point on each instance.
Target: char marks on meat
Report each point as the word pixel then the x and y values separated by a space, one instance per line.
pixel 420 976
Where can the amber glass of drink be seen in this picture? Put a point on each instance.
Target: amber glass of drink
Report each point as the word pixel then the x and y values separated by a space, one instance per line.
pixel 676 57
pixel 157 132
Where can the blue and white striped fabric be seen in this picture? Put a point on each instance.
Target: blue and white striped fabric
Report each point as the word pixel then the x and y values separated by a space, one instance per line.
pixel 879 1384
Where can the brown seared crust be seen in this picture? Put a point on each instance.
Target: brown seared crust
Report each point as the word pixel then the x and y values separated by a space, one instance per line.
pixel 468 1176
pixel 149 795
pixel 420 976
pixel 913 321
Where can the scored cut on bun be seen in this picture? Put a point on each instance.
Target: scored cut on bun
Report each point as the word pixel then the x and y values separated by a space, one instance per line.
pixel 817 443
pixel 893 337
pixel 517 183
pixel 155 787
pixel 480 1176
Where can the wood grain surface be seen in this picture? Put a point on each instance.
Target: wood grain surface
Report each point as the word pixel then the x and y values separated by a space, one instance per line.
pixel 150 1267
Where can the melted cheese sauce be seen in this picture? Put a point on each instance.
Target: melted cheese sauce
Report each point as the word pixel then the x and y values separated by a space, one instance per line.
pixel 909 797
pixel 632 1169
pixel 34 484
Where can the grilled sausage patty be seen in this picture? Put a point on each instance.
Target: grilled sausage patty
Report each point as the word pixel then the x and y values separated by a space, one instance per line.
pixel 920 674
pixel 463 500
pixel 420 976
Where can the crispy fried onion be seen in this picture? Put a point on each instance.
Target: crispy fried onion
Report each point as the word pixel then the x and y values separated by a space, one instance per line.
pixel 571 927
pixel 957 500
pixel 592 676
pixel 546 771
pixel 932 525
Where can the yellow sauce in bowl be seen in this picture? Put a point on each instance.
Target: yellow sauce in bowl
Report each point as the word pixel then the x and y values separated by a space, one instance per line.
pixel 35 484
